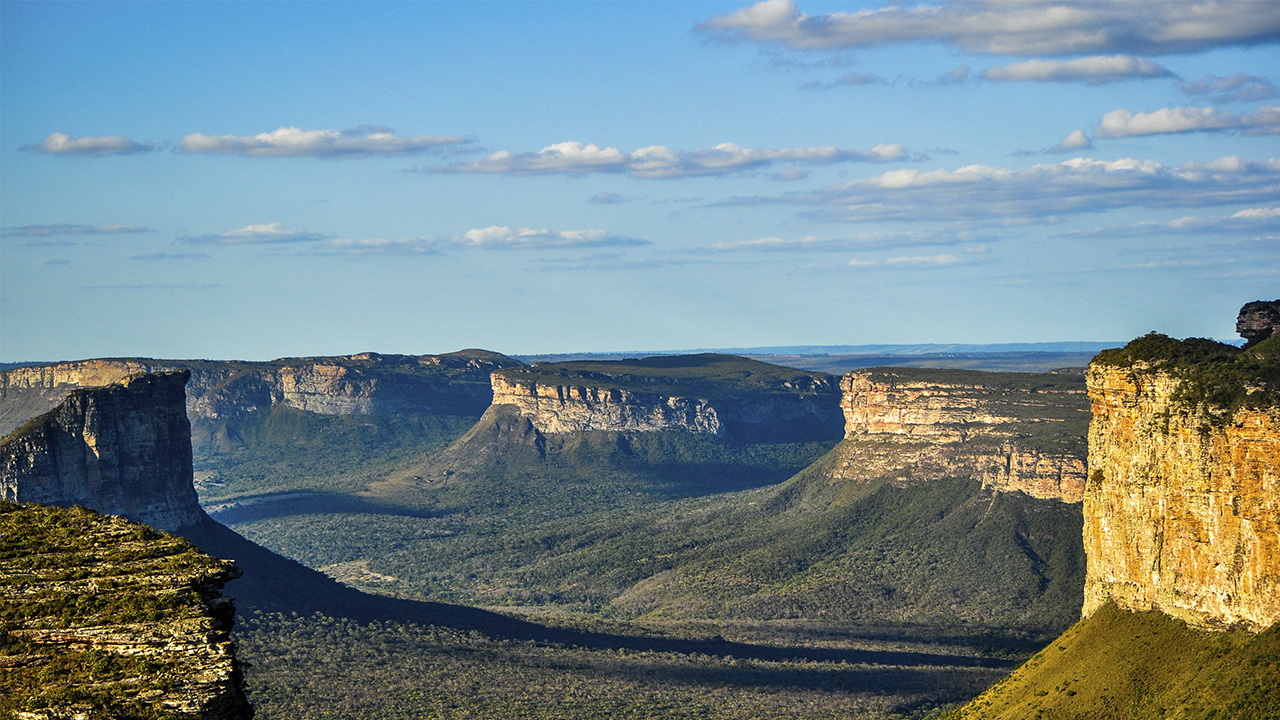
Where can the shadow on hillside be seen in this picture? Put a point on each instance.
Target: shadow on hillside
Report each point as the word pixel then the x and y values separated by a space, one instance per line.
pixel 273 583
pixel 268 506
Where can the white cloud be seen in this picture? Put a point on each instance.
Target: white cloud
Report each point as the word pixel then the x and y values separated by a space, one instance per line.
pixel 1094 70
pixel 1040 193
pixel 60 144
pixel 609 198
pixel 862 241
pixel 502 237
pixel 379 246
pixel 364 141
pixel 658 161
pixel 1074 141
pixel 1249 221
pixel 1123 123
pixel 269 234
pixel 1000 27
pixel 64 229
pixel 945 259
pixel 1235 87
pixel 790 174
pixel 168 256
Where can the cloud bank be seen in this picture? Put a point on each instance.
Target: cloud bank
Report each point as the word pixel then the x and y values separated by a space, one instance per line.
pixel 998 27
pixel 1231 88
pixel 1095 70
pixel 64 229
pixel 504 238
pixel 1123 123
pixel 1038 193
pixel 363 141
pixel 269 234
pixel 60 144
pixel 660 162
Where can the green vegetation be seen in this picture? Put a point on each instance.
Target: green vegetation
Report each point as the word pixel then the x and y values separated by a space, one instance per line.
pixel 1217 377
pixel 1119 665
pixel 707 376
pixel 324 667
pixel 62 570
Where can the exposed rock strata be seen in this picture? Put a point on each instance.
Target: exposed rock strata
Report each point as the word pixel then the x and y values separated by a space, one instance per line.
pixel 361 384
pixel 910 425
pixel 561 407
pixel 1258 320
pixel 124 449
pixel 1181 515
pixel 133 621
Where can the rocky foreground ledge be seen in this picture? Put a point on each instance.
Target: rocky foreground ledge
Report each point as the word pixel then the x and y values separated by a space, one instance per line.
pixel 104 618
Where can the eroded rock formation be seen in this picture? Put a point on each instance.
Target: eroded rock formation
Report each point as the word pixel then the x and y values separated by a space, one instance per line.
pixel 1258 320
pixel 565 406
pixel 123 449
pixel 1182 514
pixel 131 622
pixel 1016 432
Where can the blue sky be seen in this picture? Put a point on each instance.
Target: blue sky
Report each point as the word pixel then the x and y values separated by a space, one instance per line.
pixel 255 180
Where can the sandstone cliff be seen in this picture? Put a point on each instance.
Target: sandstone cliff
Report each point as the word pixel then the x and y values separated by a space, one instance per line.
pixel 716 395
pixel 361 384
pixel 123 449
pixel 105 618
pixel 1022 432
pixel 1182 509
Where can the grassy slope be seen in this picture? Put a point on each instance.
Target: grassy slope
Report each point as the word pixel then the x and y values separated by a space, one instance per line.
pixel 1119 665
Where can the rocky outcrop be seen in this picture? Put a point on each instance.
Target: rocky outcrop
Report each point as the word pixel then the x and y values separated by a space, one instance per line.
pixel 361 384
pixel 123 449
pixel 805 409
pixel 1016 432
pixel 1258 320
pixel 131 621
pixel 1182 514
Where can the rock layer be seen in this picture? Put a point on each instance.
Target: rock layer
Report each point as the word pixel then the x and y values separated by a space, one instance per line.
pixel 124 449
pixel 1182 515
pixel 556 407
pixel 920 425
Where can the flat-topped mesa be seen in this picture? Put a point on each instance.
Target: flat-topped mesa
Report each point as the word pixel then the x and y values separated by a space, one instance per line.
pixel 1182 508
pixel 123 449
pixel 360 384
pixel 716 395
pixel 1014 431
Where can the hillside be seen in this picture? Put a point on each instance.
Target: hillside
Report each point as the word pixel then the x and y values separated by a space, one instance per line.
pixel 101 617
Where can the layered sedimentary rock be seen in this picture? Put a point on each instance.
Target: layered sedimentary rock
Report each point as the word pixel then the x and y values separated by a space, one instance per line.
pixel 1258 320
pixel 1182 514
pixel 132 621
pixel 362 384
pixel 1016 432
pixel 123 449
pixel 802 411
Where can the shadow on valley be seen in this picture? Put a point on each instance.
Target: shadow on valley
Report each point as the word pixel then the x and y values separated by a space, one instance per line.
pixel 275 584
pixel 251 508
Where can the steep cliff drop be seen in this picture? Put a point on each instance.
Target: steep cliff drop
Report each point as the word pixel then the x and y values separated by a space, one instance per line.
pixel 1014 431
pixel 1182 535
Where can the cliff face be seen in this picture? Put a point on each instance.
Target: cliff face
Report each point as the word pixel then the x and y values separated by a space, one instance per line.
pixel 561 407
pixel 362 384
pixel 105 618
pixel 124 449
pixel 1182 514
pixel 1014 432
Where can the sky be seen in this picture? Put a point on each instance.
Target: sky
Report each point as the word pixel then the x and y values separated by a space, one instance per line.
pixel 259 180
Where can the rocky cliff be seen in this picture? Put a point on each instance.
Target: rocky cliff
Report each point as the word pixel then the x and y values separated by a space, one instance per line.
pixel 361 384
pixel 123 449
pixel 1021 432
pixel 100 617
pixel 1182 508
pixel 717 395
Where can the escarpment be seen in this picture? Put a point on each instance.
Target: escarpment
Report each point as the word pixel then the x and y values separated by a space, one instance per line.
pixel 1182 509
pixel 101 617
pixel 361 384
pixel 1021 432
pixel 123 449
pixel 717 395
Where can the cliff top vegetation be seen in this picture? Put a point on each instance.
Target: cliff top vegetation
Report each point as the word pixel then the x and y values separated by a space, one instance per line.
pixel 77 591
pixel 1221 378
pixel 703 375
